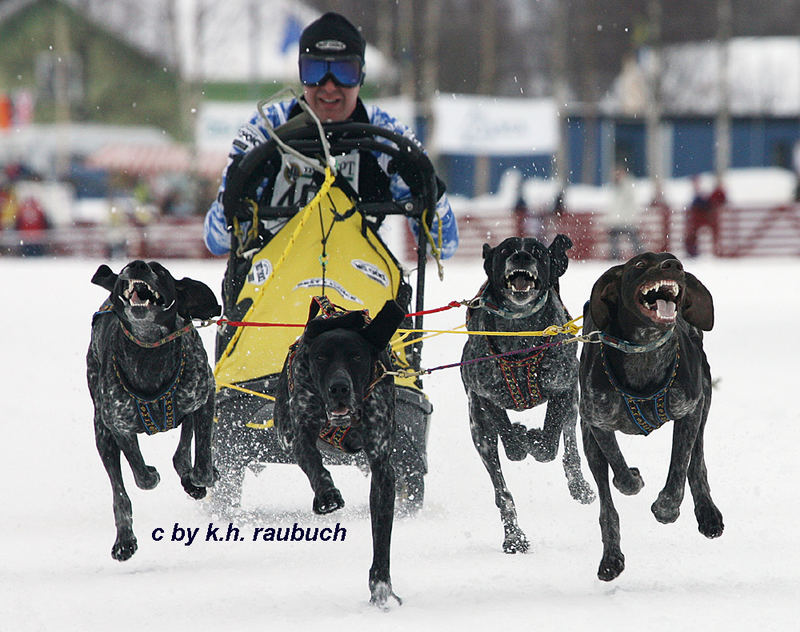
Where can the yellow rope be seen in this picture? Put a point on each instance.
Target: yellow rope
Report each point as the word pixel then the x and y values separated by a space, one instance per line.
pixel 326 185
pixel 402 343
pixel 250 424
pixel 244 390
pixel 436 250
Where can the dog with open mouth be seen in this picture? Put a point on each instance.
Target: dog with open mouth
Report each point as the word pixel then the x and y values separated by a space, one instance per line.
pixel 148 372
pixel 519 372
pixel 648 369
pixel 334 377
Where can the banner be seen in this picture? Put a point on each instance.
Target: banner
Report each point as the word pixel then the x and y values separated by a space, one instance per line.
pixel 491 126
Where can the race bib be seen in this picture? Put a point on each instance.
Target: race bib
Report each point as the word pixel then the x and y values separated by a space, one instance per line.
pixel 295 185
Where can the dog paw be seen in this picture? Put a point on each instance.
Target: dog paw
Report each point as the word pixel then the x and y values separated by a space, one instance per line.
pixel 631 484
pixel 540 449
pixel 516 541
pixel 203 477
pixel 124 547
pixel 611 566
pixel 148 478
pixel 328 501
pixel 581 491
pixel 515 444
pixel 380 592
pixel 195 491
pixel 709 521
pixel 665 509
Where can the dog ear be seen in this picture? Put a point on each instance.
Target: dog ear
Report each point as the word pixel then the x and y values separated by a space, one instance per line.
pixel 605 297
pixel 558 256
pixel 487 259
pixel 382 328
pixel 347 320
pixel 698 306
pixel 105 278
pixel 196 300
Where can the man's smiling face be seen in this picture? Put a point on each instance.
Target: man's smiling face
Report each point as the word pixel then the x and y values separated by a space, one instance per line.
pixel 330 102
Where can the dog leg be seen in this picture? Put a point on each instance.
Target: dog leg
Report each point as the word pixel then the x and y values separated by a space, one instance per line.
pixel 613 561
pixel 203 474
pixel 627 480
pixel 543 442
pixel 125 544
pixel 381 507
pixel 485 439
pixel 579 488
pixel 327 498
pixel 667 506
pixel 709 518
pixel 182 459
pixel 146 476
pixel 513 435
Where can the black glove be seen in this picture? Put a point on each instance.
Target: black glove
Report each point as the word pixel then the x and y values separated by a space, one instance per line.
pixel 415 173
pixel 233 203
pixel 419 176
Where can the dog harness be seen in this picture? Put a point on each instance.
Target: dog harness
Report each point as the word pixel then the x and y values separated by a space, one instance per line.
pixel 521 376
pixel 637 406
pixel 157 414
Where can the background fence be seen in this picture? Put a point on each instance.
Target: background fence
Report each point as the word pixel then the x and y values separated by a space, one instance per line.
pixel 743 232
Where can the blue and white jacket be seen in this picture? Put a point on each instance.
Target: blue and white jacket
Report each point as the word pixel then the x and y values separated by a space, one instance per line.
pixel 252 133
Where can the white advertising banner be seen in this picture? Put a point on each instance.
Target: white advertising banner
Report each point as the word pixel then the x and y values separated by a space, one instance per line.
pixel 483 125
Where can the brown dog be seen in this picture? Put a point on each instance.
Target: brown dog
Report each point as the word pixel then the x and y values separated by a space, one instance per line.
pixel 650 368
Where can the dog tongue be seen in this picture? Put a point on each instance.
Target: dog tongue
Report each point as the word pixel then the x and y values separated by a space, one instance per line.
pixel 135 300
pixel 665 309
pixel 520 284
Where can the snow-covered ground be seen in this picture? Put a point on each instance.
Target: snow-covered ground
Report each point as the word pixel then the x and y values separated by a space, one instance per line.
pixel 56 524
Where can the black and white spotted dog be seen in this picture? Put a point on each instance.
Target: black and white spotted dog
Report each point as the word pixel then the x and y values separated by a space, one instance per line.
pixel 521 294
pixel 148 372
pixel 335 376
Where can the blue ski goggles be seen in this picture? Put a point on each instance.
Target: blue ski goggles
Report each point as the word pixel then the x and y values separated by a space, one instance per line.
pixel 345 71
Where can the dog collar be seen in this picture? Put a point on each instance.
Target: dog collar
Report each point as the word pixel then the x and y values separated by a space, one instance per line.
pixel 480 302
pixel 630 347
pixel 158 343
pixel 107 309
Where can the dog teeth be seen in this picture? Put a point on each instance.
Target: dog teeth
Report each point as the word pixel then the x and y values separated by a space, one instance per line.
pixel 132 296
pixel 670 286
pixel 513 282
pixel 660 297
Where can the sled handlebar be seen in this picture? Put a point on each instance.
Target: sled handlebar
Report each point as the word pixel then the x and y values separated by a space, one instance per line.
pixel 406 158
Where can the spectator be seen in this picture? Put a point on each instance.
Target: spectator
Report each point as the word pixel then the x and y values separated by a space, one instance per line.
pixel 703 212
pixel 8 203
pixel 522 215
pixel 32 225
pixel 622 216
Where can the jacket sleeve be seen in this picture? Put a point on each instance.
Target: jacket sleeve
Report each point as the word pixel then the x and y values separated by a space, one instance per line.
pixel 254 132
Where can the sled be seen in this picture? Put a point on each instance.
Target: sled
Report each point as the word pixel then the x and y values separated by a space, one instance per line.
pixel 329 247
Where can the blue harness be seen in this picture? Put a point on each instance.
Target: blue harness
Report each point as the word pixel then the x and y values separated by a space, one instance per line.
pixel 638 406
